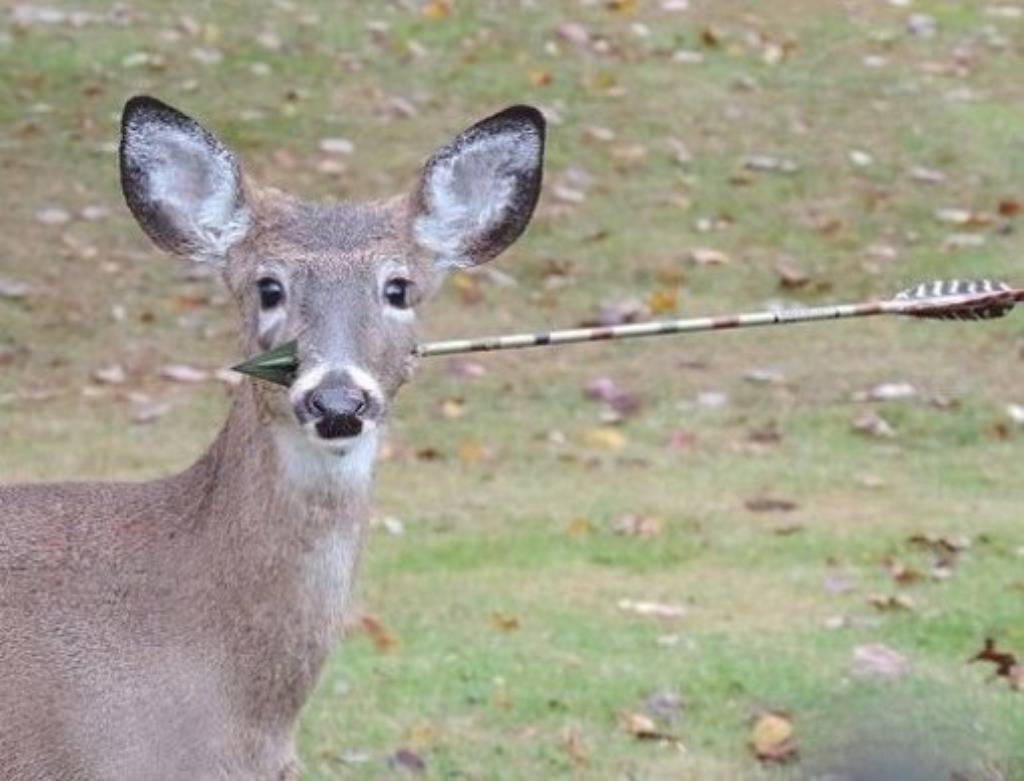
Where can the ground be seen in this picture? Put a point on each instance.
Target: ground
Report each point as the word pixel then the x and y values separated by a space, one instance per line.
pixel 824 152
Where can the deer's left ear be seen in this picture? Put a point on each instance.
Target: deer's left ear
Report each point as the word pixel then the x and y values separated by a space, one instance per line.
pixel 478 193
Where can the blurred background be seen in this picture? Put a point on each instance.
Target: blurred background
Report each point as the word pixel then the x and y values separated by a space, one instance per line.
pixel 739 555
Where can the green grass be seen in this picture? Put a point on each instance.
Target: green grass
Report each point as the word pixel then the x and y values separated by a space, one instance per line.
pixel 526 534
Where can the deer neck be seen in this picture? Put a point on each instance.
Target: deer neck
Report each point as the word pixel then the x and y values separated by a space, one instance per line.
pixel 279 527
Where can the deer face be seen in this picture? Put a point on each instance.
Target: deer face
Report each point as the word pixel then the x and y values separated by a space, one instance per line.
pixel 343 280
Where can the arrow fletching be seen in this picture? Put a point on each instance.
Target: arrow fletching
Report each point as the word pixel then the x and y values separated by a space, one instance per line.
pixel 277 366
pixel 957 299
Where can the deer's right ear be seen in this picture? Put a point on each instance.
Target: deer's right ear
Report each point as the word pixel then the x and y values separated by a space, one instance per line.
pixel 183 186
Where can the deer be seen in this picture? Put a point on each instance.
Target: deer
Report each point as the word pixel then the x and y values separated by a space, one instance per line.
pixel 174 629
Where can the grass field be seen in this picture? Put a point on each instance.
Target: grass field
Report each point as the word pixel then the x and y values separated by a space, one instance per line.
pixel 858 146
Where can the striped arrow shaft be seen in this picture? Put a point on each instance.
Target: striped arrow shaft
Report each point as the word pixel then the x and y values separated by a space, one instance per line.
pixel 988 300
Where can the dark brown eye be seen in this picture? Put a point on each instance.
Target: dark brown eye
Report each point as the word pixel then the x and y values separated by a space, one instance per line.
pixel 271 292
pixel 396 292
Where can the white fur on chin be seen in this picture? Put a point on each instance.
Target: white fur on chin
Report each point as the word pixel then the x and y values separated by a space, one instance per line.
pixel 310 461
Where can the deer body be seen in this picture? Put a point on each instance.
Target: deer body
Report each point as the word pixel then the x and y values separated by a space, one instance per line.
pixel 174 629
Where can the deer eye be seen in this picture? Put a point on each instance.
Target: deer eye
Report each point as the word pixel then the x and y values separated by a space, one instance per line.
pixel 271 292
pixel 396 292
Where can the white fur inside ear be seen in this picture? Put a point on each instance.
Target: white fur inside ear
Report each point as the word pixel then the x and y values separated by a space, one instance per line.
pixel 195 183
pixel 469 188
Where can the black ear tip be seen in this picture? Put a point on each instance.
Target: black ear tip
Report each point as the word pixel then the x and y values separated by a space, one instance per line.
pixel 522 113
pixel 146 108
pixel 514 117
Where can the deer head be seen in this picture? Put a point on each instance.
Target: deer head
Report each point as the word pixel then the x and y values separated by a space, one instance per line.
pixel 343 280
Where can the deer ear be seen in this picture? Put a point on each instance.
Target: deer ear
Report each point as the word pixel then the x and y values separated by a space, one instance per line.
pixel 183 186
pixel 478 193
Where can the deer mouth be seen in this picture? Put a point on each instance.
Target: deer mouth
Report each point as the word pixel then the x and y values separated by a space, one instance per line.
pixel 339 426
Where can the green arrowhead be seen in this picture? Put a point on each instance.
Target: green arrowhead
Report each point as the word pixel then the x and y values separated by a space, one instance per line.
pixel 278 365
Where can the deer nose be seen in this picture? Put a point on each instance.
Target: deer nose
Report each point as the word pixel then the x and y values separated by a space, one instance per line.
pixel 337 410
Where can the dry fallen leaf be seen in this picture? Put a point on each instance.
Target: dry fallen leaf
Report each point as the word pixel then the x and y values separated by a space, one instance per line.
pixel 891 602
pixel 439 9
pixel 473 453
pixel 605 438
pixel 12 288
pixel 875 660
pixel 382 639
pixel 407 759
pixel 705 256
pixel 773 737
pixel 791 276
pixel 579 527
pixel 643 727
pixel 113 374
pixel 652 609
pixel 628 310
pixel 663 301
pixel 505 622
pixel 768 504
pixel 1006 664
pixel 638 526
pixel 453 408
pixel 874 425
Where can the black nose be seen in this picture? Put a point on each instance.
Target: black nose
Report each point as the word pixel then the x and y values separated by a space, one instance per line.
pixel 336 409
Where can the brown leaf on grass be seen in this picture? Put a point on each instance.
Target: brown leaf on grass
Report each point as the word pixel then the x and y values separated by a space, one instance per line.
pixel 407 759
pixel 632 525
pixel 505 622
pixel 902 573
pixel 643 727
pixel 540 78
pixel 453 408
pixel 791 276
pixel 1006 664
pixel 12 288
pixel 940 543
pixel 770 504
pixel 473 453
pixel 1010 207
pixel 773 737
pixel 114 374
pixel 663 301
pixel 624 7
pixel 573 32
pixel 652 609
pixel 770 164
pixel 891 602
pixel 620 401
pixel 579 527
pixel 706 256
pixel 964 218
pixel 437 10
pixel 605 438
pixel 146 410
pixel 681 440
pixel 875 660
pixel 874 425
pixel 381 638
pixel 620 312
pixel 573 746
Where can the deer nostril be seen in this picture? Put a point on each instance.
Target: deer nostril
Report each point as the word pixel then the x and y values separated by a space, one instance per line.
pixel 336 401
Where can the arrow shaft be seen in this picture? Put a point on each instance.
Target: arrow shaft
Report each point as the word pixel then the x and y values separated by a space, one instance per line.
pixel 916 308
